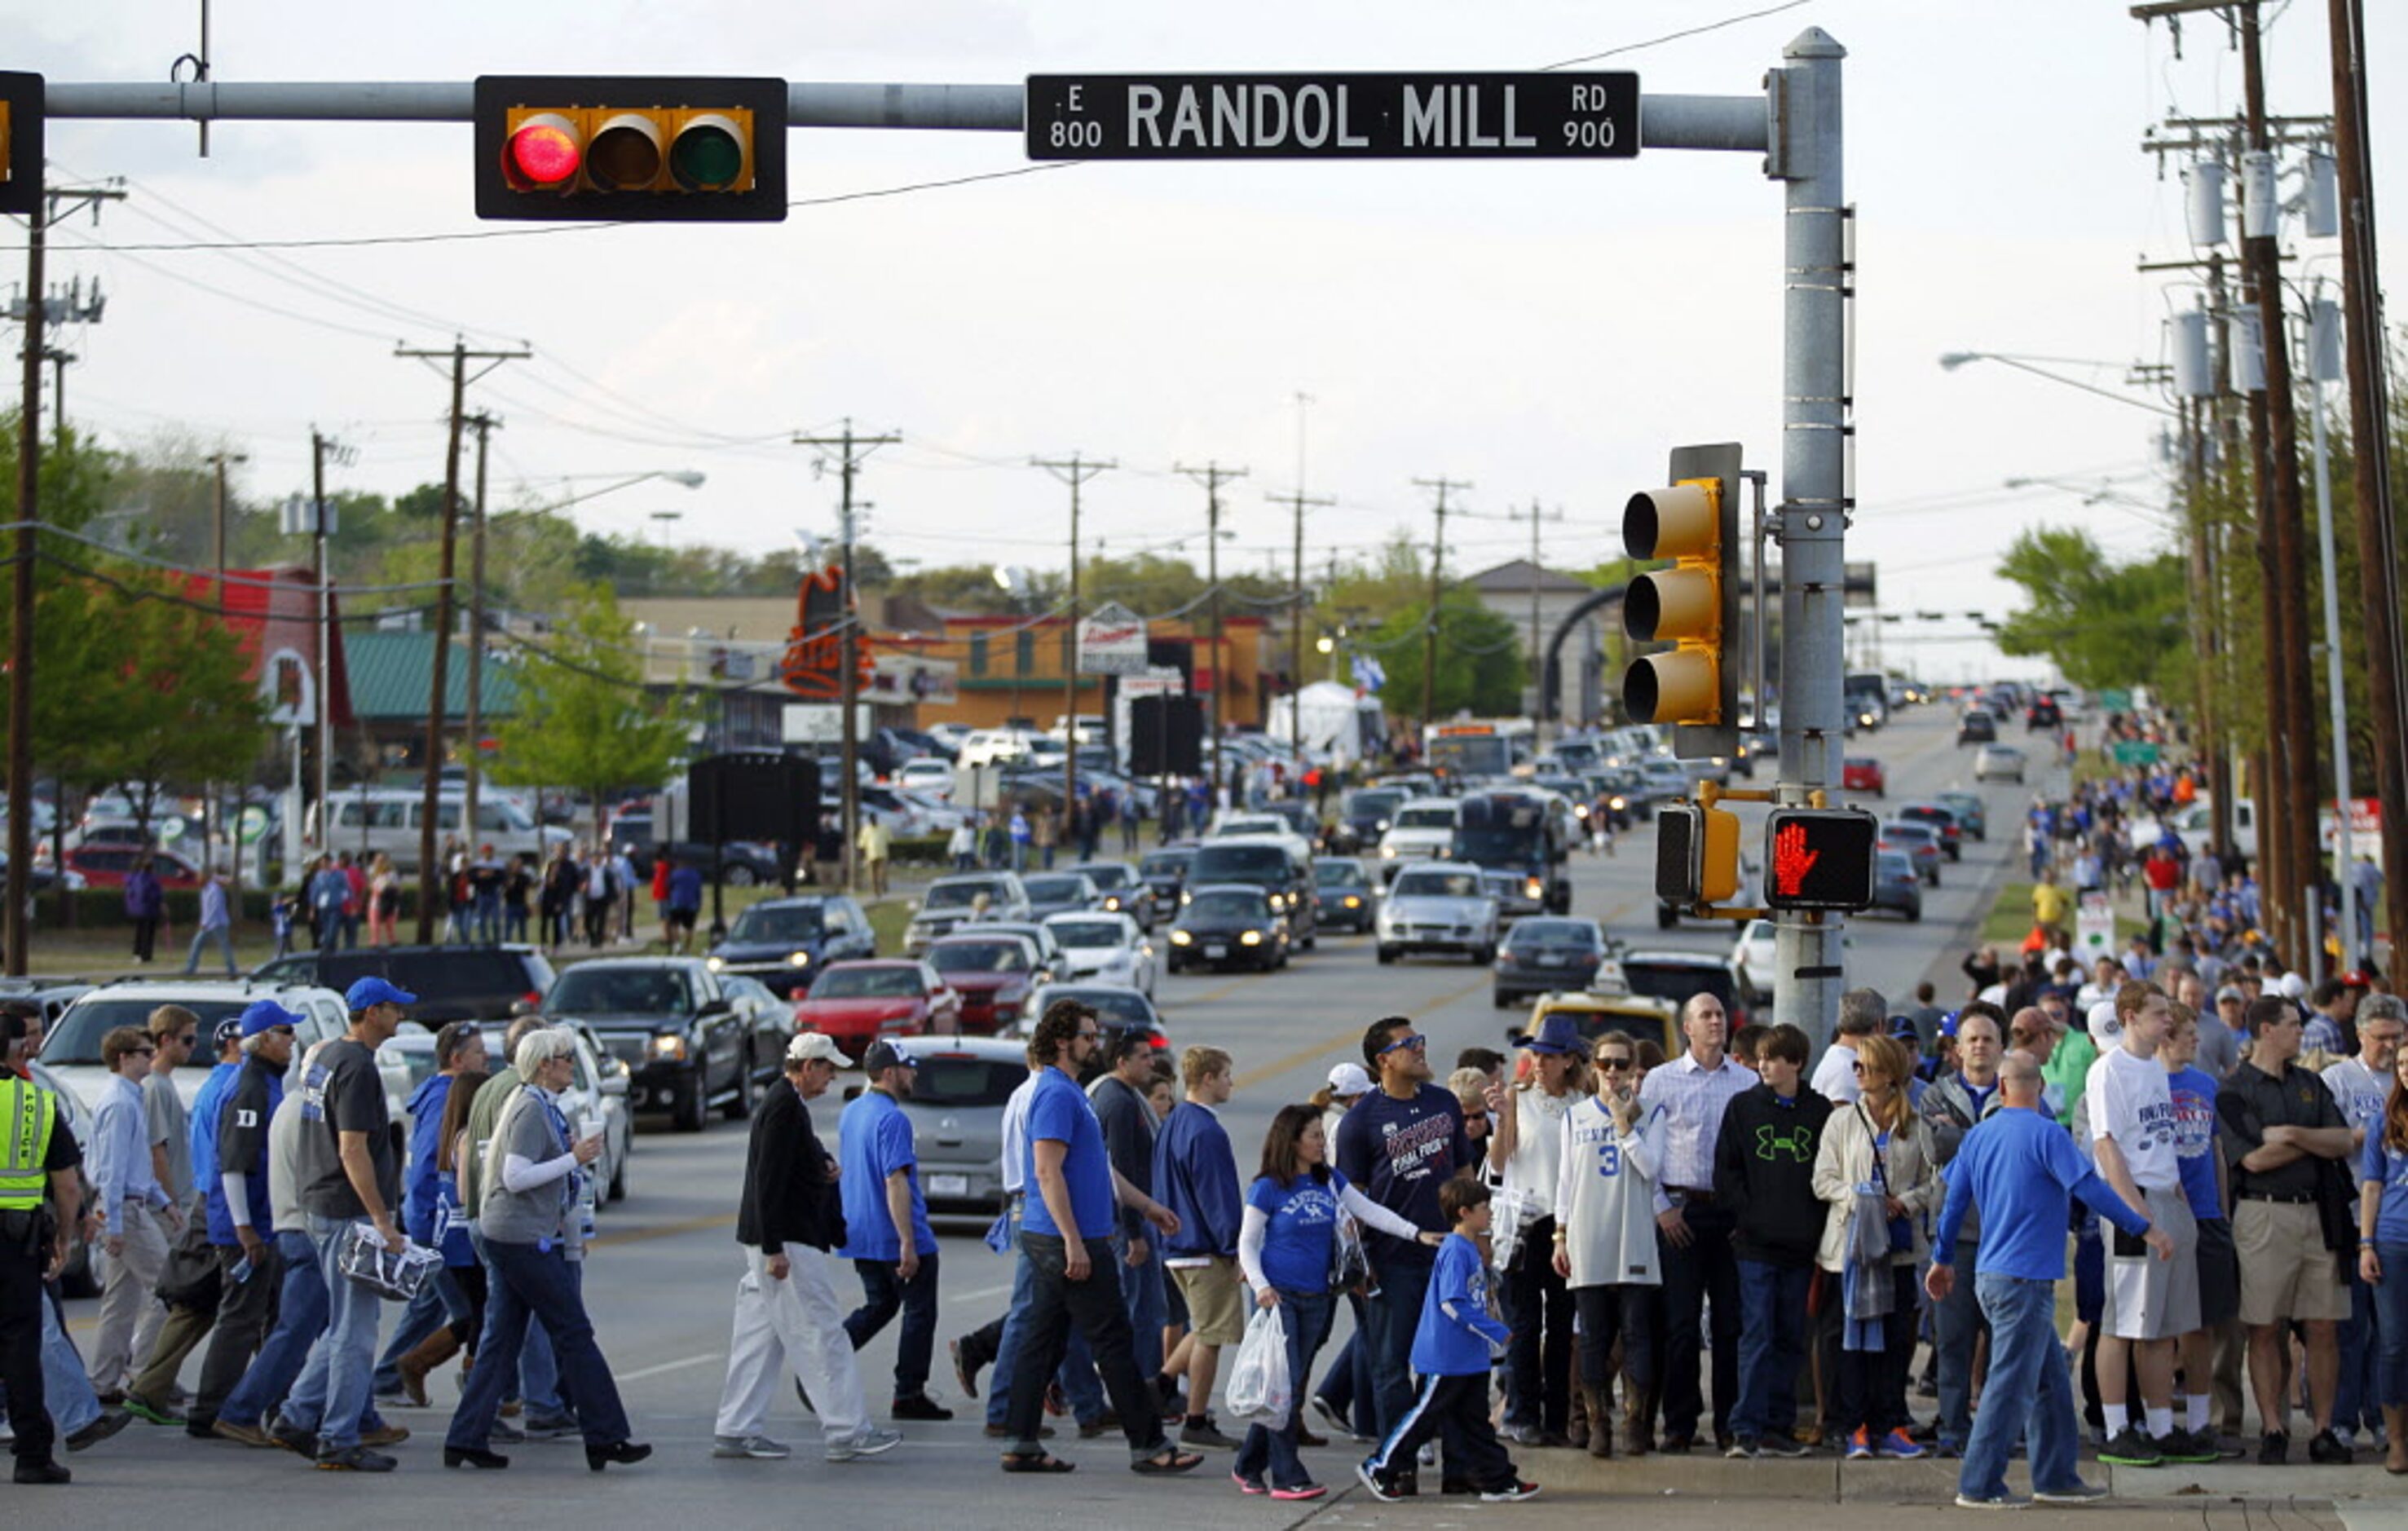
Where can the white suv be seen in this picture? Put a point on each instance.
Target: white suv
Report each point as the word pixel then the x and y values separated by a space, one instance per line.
pixel 1421 829
pixel 71 1047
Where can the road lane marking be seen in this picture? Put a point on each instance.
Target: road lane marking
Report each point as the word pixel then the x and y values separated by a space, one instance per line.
pixel 640 1374
pixel 665 1230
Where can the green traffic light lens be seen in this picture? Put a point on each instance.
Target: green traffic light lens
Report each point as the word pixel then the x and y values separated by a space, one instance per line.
pixel 708 158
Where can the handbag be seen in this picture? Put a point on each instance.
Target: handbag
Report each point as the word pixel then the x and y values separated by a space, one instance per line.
pixel 392 1275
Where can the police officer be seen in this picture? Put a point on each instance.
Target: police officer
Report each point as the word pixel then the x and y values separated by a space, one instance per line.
pixel 35 1151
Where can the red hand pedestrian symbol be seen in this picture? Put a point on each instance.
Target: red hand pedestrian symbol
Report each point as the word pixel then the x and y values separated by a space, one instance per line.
pixel 1791 860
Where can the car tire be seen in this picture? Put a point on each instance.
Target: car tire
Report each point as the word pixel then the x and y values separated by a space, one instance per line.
pixel 1481 956
pixel 1498 998
pixel 1312 938
pixel 686 1111
pixel 740 876
pixel 1667 917
pixel 740 1105
pixel 1914 915
pixel 1388 954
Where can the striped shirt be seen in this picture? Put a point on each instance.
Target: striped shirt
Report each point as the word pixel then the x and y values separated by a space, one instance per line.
pixel 1691 1099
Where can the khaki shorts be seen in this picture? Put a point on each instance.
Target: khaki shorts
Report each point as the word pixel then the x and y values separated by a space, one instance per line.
pixel 1216 1310
pixel 2287 1273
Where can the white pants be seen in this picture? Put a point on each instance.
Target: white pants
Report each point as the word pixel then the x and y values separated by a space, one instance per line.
pixel 127 1291
pixel 798 1321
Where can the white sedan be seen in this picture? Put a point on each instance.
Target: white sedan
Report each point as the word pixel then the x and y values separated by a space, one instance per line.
pixel 1108 948
pixel 1752 955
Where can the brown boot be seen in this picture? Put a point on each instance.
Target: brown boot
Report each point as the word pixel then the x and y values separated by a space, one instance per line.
pixel 1637 1419
pixel 1576 1420
pixel 1600 1409
pixel 2394 1435
pixel 432 1352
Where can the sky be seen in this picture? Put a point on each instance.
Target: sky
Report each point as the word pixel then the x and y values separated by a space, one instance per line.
pixel 1543 332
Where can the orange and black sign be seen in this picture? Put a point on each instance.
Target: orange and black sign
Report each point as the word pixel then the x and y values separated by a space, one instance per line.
pixel 813 665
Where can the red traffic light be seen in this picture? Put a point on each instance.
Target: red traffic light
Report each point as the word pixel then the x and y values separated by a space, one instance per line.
pixel 632 148
pixel 543 153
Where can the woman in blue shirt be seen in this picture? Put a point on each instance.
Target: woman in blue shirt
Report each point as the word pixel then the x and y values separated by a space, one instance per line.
pixel 2383 1257
pixel 1284 1246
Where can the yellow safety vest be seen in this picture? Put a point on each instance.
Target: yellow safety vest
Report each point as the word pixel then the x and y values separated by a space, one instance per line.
pixel 27 1114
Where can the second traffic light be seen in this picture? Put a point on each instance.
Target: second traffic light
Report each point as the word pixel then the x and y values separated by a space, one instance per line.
pixel 1693 605
pixel 1696 854
pixel 631 148
pixel 20 142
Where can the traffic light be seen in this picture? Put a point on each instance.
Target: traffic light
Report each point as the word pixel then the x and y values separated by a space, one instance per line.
pixel 1696 854
pixel 631 148
pixel 1693 605
pixel 21 143
pixel 1819 858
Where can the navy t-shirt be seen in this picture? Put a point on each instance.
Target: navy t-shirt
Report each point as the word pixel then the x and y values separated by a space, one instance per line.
pixel 1400 1151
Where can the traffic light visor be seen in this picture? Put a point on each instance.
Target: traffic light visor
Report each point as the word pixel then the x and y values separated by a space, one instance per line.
pixel 626 153
pixel 543 153
pixel 713 150
pixel 1681 521
pixel 1681 603
pixel 1685 683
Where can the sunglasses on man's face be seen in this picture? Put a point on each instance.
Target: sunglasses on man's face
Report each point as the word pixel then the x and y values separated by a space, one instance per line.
pixel 1416 1042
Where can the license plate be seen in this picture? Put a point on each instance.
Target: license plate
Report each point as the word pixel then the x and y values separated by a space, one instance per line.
pixel 1554 959
pixel 1216 952
pixel 949 1185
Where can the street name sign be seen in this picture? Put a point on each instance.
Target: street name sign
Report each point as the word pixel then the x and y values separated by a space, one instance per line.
pixel 1334 117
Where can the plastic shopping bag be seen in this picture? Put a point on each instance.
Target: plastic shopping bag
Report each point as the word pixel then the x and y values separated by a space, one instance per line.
pixel 1258 1388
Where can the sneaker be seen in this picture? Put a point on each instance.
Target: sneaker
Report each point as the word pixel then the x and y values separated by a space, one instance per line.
pixel 1330 1415
pixel 1207 1434
pixel 2326 1448
pixel 1248 1485
pixel 1428 1456
pixel 550 1427
pixel 1860 1445
pixel 2273 1448
pixel 1744 1450
pixel 871 1441
pixel 1899 1446
pixel 2181 1445
pixel 110 1421
pixel 2072 1494
pixel 293 1437
pixel 919 1407
pixel 1947 1449
pixel 143 1408
pixel 1387 1492
pixel 1299 1490
pixel 965 1370
pixel 1523 1435
pixel 1521 1489
pixel 354 1459
pixel 248 1435
pixel 1783 1445
pixel 504 1433
pixel 2132 1448
pixel 1993 1501
pixel 757 1447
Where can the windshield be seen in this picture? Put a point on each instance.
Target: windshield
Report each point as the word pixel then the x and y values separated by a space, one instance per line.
pixel 980 958
pixel 1106 879
pixel 1088 932
pixel 1677 981
pixel 868 983
pixel 1553 934
pixel 1427 818
pixel 1436 885
pixel 958 895
pixel 620 991
pixel 76 1038
pixel 1893 866
pixel 1227 904
pixel 1053 890
pixel 777 923
pixel 1339 874
pixel 1373 803
pixel 1490 846
pixel 1165 863
pixel 958 1079
pixel 1240 864
pixel 1113 1005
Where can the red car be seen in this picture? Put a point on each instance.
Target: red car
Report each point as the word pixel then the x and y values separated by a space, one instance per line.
pixel 1861 773
pixel 994 975
pixel 106 866
pixel 856 1003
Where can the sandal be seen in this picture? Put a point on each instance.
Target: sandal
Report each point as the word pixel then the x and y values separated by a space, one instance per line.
pixel 1170 1459
pixel 1040 1461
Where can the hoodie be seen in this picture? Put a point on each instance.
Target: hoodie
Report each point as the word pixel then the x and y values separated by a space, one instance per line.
pixel 1764 1172
pixel 418 1176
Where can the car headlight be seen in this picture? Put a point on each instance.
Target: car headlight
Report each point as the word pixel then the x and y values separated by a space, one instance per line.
pixel 800 959
pixel 1185 899
pixel 1252 937
pixel 1534 889
pixel 1354 902
pixel 1618 804
pixel 1112 905
pixel 1277 901
pixel 1180 938
pixel 714 964
pixel 671 1047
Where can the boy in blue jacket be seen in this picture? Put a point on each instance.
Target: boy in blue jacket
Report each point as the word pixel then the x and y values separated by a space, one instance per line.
pixel 1457 1344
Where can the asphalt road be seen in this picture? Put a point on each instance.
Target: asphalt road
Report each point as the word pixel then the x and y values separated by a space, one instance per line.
pixel 661 1280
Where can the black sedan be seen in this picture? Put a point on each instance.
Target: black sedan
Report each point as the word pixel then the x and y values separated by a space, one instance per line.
pixel 783 942
pixel 1123 892
pixel 1228 925
pixel 1542 955
pixel 1349 897
pixel 690 1039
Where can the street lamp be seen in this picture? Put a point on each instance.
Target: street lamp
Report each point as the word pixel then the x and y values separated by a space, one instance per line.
pixel 1950 361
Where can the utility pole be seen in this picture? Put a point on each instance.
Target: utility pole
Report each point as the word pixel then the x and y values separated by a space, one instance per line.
pixel 1074 471
pixel 1213 475
pixel 1429 629
pixel 218 461
pixel 1297 504
pixel 320 448
pixel 1539 709
pixel 429 873
pixel 484 423
pixel 853 450
pixel 2378 568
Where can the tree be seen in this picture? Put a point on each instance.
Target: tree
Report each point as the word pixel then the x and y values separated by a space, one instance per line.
pixel 584 718
pixel 2099 621
pixel 163 697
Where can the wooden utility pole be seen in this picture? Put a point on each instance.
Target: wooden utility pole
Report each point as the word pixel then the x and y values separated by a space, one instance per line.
pixel 1297 504
pixel 484 423
pixel 853 450
pixel 2378 569
pixel 1074 470
pixel 430 874
pixel 17 928
pixel 1438 586
pixel 1213 475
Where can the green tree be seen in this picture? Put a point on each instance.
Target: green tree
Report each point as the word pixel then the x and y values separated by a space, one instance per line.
pixel 163 692
pixel 584 718
pixel 2101 621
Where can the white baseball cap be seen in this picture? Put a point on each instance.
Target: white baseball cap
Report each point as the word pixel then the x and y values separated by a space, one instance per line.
pixel 815 1047
pixel 1348 1079
pixel 2105 1027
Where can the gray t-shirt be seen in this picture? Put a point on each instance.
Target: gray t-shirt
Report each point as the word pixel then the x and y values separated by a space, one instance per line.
pixel 545 1211
pixel 170 1126
pixel 284 1166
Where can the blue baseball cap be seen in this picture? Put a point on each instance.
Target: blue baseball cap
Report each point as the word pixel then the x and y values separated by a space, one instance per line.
pixel 375 991
pixel 266 1015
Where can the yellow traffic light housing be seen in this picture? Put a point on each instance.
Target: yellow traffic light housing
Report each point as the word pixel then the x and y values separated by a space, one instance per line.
pixel 631 148
pixel 1696 854
pixel 1693 605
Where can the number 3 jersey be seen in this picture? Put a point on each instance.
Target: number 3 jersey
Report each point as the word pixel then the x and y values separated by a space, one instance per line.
pixel 1605 1196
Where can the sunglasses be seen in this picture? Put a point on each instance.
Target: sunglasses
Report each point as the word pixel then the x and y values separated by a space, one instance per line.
pixel 1616 1064
pixel 142 1051
pixel 1091 1036
pixel 1417 1043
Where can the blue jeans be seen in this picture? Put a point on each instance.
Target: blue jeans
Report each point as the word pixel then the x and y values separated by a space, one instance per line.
pixel 1142 1289
pixel 2391 1324
pixel 1772 1343
pixel 333 1390
pixel 2026 1364
pixel 66 1388
pixel 224 937
pixel 1388 1324
pixel 300 1319
pixel 2356 1394
pixel 1078 1373
pixel 438 1303
pixel 884 1294
pixel 485 917
pixel 1269 1455
pixel 529 1281
pixel 1955 1325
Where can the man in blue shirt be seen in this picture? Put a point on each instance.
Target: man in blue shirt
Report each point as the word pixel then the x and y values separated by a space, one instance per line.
pixel 2021 1169
pixel 886 1233
pixel 136 1216
pixel 1066 1232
